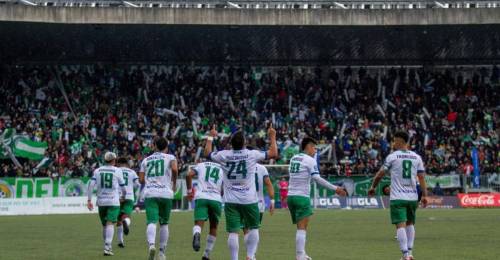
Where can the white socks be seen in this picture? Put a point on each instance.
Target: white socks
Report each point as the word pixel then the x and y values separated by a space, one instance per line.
pixel 196 229
pixel 210 245
pixel 403 240
pixel 119 232
pixel 233 244
pixel 128 221
pixel 300 243
pixel 252 242
pixel 163 237
pixel 110 230
pixel 151 234
pixel 410 235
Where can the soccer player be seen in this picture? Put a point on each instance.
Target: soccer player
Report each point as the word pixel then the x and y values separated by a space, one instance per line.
pixel 158 173
pixel 405 167
pixel 261 179
pixel 303 167
pixel 109 182
pixel 208 202
pixel 127 206
pixel 240 195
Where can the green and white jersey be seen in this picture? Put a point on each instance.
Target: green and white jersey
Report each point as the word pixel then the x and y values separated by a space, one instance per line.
pixel 158 175
pixel 130 178
pixel 109 180
pixel 260 174
pixel 209 181
pixel 239 174
pixel 302 168
pixel 404 167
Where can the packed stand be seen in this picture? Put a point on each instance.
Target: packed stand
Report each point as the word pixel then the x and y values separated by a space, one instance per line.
pixel 351 111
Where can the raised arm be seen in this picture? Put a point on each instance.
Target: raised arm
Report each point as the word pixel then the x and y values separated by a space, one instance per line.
pixel 208 144
pixel 272 153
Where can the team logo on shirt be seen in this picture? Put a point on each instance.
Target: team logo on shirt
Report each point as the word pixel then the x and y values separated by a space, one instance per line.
pixel 73 188
pixel 6 190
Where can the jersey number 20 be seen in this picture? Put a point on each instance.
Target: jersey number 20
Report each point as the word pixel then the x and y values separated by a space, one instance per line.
pixel 156 168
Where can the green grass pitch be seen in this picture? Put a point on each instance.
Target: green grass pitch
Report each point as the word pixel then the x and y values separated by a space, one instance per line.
pixel 468 234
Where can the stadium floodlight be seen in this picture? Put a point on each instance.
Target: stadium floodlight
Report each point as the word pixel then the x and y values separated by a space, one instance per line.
pixel 340 5
pixel 233 5
pixel 26 2
pixel 440 5
pixel 129 4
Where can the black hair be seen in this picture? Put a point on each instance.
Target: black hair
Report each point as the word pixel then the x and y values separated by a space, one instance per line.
pixel 307 140
pixel 403 135
pixel 161 143
pixel 122 160
pixel 383 190
pixel 238 140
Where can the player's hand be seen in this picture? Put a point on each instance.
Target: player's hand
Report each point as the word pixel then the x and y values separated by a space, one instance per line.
pixel 341 192
pixel 190 196
pixel 213 131
pixel 424 201
pixel 271 132
pixel 271 208
pixel 90 206
pixel 371 192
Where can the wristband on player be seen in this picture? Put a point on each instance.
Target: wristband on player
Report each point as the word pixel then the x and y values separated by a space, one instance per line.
pixel 210 138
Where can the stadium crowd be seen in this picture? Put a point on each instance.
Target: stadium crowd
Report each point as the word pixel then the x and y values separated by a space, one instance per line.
pixel 121 109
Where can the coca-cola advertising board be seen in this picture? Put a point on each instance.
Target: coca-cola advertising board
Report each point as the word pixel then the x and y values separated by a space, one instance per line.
pixel 478 200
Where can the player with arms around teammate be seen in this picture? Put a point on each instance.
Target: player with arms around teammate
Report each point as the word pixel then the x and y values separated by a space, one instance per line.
pixel 240 195
pixel 126 207
pixel 405 167
pixel 303 167
pixel 158 173
pixel 109 182
pixel 208 202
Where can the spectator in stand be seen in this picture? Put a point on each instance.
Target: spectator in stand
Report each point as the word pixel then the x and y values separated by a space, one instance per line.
pixel 122 108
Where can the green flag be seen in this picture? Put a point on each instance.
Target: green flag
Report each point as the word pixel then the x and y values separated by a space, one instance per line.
pixel 29 149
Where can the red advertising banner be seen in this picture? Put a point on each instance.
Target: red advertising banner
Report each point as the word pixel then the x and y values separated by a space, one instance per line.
pixel 476 200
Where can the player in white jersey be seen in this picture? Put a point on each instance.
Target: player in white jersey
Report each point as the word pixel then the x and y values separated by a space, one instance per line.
pixel 158 173
pixel 109 182
pixel 261 179
pixel 304 168
pixel 127 206
pixel 240 195
pixel 208 202
pixel 405 167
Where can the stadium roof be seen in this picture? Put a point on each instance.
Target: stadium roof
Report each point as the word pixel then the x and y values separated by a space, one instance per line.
pixel 271 45
pixel 262 4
